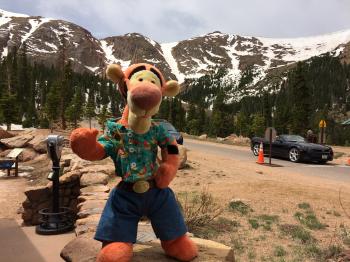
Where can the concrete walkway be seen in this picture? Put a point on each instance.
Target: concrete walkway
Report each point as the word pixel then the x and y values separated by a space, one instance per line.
pixel 22 244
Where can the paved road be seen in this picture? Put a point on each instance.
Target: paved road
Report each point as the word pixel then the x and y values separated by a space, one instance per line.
pixel 328 171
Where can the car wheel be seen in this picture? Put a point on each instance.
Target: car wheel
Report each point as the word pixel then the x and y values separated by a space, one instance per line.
pixel 256 148
pixel 294 155
pixel 322 162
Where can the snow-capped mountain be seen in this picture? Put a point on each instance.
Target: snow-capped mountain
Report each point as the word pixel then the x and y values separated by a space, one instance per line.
pixel 190 58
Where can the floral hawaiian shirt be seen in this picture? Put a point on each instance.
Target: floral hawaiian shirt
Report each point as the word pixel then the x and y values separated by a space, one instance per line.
pixel 134 155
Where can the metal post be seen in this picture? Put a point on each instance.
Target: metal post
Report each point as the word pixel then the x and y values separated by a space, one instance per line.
pixel 55 190
pixel 270 153
pixel 55 180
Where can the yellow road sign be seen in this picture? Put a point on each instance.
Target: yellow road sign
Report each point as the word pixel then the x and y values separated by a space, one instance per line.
pixel 323 124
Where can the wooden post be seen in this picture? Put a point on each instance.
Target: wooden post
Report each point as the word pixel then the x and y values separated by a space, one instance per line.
pixel 16 166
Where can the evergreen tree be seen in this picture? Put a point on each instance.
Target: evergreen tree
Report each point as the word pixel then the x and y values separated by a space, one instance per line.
pixel 75 110
pixel 90 108
pixel 51 109
pixel 102 117
pixel 300 111
pixel 258 125
pixel 217 127
pixel 192 121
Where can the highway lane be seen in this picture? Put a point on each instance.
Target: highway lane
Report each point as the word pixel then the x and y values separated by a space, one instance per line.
pixel 328 171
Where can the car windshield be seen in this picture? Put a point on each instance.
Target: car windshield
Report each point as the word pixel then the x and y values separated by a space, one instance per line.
pixel 294 138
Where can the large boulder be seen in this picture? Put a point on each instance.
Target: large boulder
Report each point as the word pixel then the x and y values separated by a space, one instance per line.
pixel 93 190
pixel 5 134
pixel 83 249
pixel 90 179
pixel 108 169
pixel 17 141
pixel 28 154
pixel 183 156
pixel 203 137
pixel 36 193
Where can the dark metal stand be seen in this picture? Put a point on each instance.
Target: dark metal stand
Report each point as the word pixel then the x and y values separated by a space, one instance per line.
pixel 56 220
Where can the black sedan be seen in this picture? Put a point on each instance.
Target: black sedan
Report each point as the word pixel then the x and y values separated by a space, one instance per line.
pixel 295 148
pixel 171 129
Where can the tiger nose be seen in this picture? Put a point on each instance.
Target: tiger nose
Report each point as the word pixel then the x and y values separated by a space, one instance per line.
pixel 145 97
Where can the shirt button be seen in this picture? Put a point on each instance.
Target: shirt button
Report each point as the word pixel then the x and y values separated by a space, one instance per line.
pixel 133 165
pixel 131 150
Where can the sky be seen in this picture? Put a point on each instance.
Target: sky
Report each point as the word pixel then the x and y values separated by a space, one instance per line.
pixel 175 20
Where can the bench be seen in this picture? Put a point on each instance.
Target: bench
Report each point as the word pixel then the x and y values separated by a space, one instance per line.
pixel 11 161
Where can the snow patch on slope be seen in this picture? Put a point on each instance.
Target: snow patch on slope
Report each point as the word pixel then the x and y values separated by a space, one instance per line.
pixel 169 58
pixel 35 24
pixel 305 47
pixel 108 50
pixel 10 14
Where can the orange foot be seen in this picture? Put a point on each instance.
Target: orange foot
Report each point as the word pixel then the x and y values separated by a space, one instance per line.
pixel 182 248
pixel 115 252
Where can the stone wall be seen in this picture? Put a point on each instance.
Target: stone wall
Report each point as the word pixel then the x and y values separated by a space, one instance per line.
pixel 40 197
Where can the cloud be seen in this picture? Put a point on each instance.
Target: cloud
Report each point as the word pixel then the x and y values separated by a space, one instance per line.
pixel 174 20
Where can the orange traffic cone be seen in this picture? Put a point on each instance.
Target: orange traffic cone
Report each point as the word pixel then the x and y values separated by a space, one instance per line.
pixel 261 155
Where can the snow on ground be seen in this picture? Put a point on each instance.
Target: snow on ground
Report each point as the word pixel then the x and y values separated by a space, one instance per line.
pixel 14 127
pixel 35 24
pixel 168 56
pixel 305 47
pixel 93 69
pixel 10 14
pixel 108 50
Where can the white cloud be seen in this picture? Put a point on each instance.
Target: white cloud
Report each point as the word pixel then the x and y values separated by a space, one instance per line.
pixel 173 20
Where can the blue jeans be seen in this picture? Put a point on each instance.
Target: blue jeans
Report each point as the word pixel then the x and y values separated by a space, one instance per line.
pixel 124 209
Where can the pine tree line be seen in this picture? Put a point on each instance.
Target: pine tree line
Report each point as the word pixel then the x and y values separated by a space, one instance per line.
pixel 312 90
pixel 38 96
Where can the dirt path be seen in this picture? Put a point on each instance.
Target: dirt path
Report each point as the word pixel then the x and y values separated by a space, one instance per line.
pixel 11 196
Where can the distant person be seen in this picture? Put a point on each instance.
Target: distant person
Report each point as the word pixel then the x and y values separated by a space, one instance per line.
pixel 311 137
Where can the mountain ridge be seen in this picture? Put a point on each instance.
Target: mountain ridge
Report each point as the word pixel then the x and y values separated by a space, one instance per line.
pixel 191 58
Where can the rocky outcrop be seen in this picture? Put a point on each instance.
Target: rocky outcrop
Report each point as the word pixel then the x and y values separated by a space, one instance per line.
pixel 5 134
pixel 86 249
pixel 40 197
pixel 17 141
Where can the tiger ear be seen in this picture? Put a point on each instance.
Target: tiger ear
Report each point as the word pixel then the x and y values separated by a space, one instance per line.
pixel 171 88
pixel 114 73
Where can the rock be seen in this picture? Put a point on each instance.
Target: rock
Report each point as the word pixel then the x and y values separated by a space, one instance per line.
pixel 86 249
pixel 91 190
pixel 91 204
pixel 70 176
pixel 106 169
pixel 5 134
pixel 27 155
pixel 88 212
pixel 220 139
pixel 38 143
pixel 100 196
pixel 26 204
pixel 88 220
pixel 183 156
pixel 17 141
pixel 203 137
pixel 37 193
pixel 87 225
pixel 81 250
pixel 27 215
pixel 25 168
pixel 344 256
pixel 5 152
pixel 90 179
